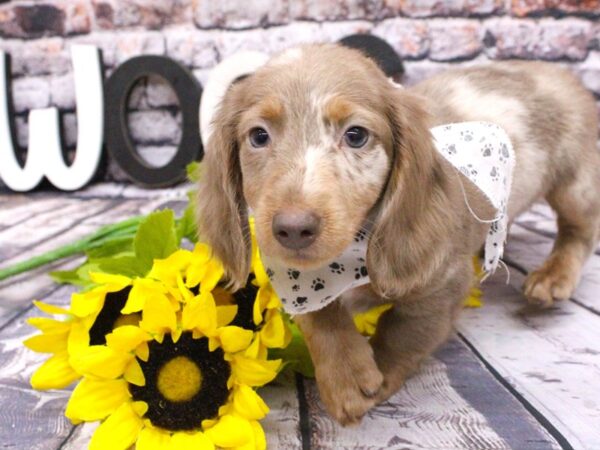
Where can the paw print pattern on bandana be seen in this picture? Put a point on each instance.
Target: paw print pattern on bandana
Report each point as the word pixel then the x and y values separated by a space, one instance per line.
pixel 360 272
pixel 309 290
pixel 293 274
pixel 337 268
pixel 486 158
pixel 317 284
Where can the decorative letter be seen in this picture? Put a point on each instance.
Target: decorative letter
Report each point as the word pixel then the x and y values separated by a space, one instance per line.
pixel 45 155
pixel 118 140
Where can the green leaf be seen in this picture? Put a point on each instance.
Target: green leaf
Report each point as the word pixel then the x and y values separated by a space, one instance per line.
pixel 128 265
pixel 79 276
pixel 156 238
pixel 67 277
pixel 193 170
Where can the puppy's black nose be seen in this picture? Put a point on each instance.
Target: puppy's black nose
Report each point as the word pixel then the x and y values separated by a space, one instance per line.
pixel 296 229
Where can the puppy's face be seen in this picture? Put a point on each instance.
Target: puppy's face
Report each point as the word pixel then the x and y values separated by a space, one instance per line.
pixel 315 145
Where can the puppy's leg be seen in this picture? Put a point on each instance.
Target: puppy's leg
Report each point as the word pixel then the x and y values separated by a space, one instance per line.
pixel 414 328
pixel 347 376
pixel 578 207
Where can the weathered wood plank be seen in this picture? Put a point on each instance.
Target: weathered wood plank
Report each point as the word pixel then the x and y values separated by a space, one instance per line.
pixel 504 413
pixel 282 424
pixel 550 357
pixel 542 219
pixel 40 233
pixel 433 411
pixel 529 249
pixel 32 420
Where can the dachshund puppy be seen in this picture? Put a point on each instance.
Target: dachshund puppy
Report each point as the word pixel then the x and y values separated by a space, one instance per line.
pixel 319 143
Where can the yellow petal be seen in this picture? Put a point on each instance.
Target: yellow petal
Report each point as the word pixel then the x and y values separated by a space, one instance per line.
pixel 231 431
pixel 50 309
pixel 112 283
pixel 158 316
pixel 142 289
pixel 119 431
pixel 247 403
pixel 88 303
pixel 134 374
pixel 260 440
pixel 196 441
pixel 257 266
pixel 186 294
pixel 46 325
pixel 48 342
pixel 200 313
pixel 167 270
pixel 214 273
pixel 55 373
pixel 225 314
pixel 143 351
pixel 101 361
pixel 154 439
pixel 79 338
pixel 254 372
pixel 94 400
pixel 275 334
pixel 126 338
pixel 256 350
pixel 198 265
pixel 234 339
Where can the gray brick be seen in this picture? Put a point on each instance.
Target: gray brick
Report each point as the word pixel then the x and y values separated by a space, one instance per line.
pixel 431 8
pixel 337 9
pixel 133 44
pixel 37 57
pixel 30 93
pixel 454 39
pixel 334 31
pixel 547 39
pixel 240 13
pixel 155 127
pixel 157 155
pixel 62 91
pixel 296 33
pixel 150 14
pixel 541 7
pixel 192 47
pixel 409 37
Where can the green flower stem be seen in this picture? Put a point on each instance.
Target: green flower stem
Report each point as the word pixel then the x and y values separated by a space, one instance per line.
pixel 104 234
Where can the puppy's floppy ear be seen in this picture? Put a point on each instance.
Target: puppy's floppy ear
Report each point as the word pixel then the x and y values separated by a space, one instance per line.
pixel 222 210
pixel 413 212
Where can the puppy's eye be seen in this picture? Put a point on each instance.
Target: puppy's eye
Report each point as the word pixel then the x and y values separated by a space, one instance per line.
pixel 356 137
pixel 259 137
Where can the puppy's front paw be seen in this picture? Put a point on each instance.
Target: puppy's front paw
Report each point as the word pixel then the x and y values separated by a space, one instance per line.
pixel 550 283
pixel 349 383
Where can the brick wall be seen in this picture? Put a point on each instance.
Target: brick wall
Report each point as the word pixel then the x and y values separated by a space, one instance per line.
pixel 430 36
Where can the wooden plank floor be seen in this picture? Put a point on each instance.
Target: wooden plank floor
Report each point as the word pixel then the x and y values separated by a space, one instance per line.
pixel 511 378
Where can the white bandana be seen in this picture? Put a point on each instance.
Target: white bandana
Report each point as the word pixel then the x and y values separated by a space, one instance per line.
pixel 481 151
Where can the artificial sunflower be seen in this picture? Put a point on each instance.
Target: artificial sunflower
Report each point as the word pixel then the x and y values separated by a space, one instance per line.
pixel 174 379
pixel 90 316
